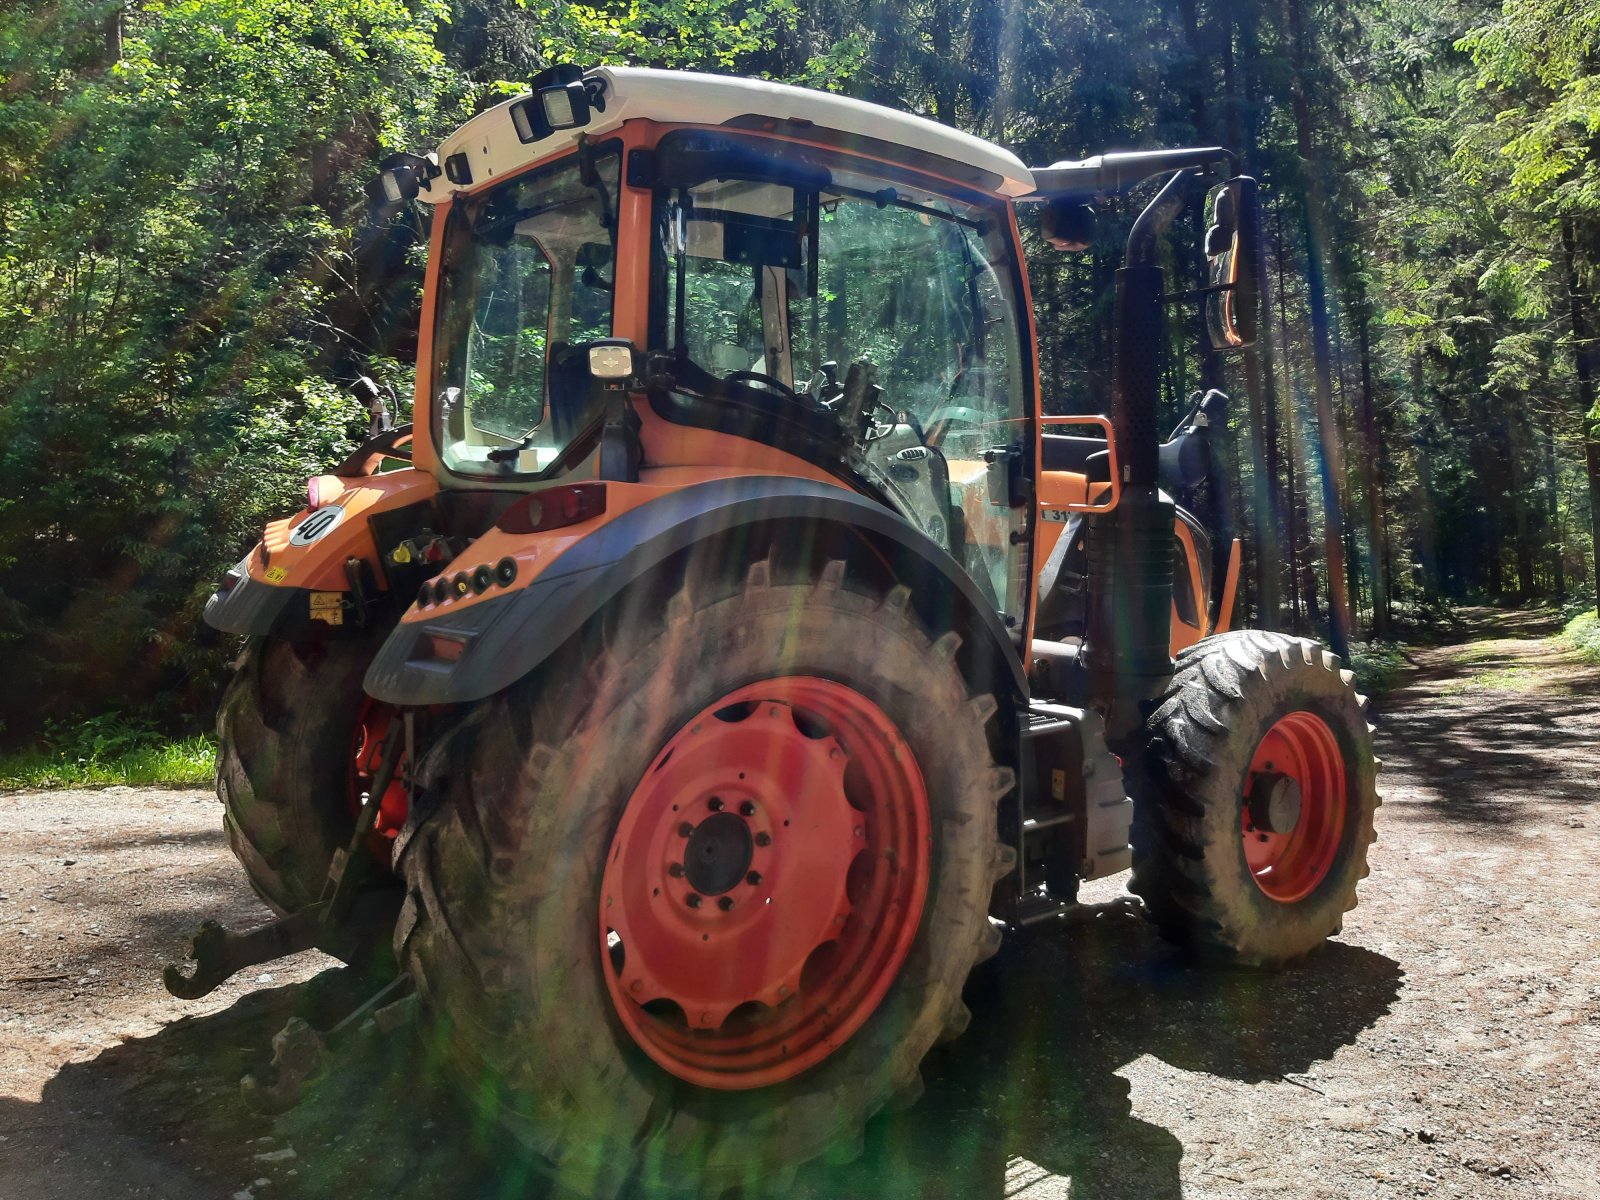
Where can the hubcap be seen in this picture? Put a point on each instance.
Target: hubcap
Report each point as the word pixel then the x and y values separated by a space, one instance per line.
pixel 718 853
pixel 765 883
pixel 1294 807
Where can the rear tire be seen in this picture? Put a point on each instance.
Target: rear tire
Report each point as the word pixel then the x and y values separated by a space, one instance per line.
pixel 284 733
pixel 1246 713
pixel 504 927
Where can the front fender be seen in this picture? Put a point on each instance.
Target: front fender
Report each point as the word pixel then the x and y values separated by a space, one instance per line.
pixel 480 650
pixel 294 582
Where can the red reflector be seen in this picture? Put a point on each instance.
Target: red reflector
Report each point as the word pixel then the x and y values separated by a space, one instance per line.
pixel 553 508
pixel 445 649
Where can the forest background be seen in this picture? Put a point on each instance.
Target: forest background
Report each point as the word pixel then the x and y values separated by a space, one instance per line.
pixel 188 281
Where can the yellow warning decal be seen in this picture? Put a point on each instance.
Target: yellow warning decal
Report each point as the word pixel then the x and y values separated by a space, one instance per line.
pixel 328 606
pixel 276 574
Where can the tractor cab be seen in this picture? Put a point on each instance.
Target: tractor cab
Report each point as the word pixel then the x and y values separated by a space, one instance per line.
pixel 808 286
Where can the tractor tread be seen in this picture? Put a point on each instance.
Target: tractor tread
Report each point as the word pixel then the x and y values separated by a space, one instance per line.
pixel 1187 865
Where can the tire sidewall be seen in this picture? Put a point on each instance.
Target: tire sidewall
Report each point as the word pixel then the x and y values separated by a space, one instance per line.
pixel 285 730
pixel 563 814
pixel 1269 928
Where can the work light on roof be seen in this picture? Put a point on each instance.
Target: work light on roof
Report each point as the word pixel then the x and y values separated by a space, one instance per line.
pixel 401 177
pixel 560 100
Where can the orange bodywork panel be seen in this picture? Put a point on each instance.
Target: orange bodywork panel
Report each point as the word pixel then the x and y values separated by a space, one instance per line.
pixel 535 552
pixel 309 549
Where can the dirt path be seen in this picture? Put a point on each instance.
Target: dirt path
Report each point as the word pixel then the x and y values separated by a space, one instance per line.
pixel 1447 1045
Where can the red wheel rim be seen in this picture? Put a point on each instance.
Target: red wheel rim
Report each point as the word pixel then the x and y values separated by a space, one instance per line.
pixel 374 725
pixel 1294 807
pixel 765 883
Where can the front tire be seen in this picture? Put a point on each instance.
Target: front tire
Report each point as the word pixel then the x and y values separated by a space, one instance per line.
pixel 573 904
pixel 1263 791
pixel 296 739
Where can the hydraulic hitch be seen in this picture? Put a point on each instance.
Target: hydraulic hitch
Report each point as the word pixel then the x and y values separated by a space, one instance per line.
pixel 335 921
pixel 219 953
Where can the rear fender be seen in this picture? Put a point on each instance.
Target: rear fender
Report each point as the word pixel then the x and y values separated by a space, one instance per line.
pixel 295 581
pixel 474 651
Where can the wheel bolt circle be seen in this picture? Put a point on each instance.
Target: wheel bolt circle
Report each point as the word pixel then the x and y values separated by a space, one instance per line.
pixel 725 903
pixel 747 809
pixel 676 870
pixel 685 829
pixel 753 879
pixel 763 839
pixel 692 900
pixel 714 804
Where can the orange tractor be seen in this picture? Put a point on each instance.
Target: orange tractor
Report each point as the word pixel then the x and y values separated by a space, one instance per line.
pixel 732 651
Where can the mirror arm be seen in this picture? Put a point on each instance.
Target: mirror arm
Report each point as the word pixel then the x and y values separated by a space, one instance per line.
pixel 1145 236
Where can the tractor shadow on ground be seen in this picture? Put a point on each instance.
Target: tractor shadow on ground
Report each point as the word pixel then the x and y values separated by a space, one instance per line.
pixel 1034 1084
pixel 1055 1016
pixel 162 1115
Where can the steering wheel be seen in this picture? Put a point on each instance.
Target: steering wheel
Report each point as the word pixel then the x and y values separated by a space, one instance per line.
pixel 762 379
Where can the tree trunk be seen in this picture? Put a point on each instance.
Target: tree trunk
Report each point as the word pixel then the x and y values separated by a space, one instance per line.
pixel 1284 468
pixel 1554 531
pixel 1377 519
pixel 1317 241
pixel 1583 365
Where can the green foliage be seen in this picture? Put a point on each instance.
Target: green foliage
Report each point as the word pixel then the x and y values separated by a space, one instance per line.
pixel 108 749
pixel 174 240
pixel 1582 633
pixel 1378 665
pixel 186 286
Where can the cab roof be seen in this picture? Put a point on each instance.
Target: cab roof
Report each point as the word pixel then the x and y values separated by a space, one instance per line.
pixel 491 146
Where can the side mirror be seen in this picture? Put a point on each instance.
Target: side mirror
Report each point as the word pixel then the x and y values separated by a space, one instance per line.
pixel 1233 252
pixel 1067 223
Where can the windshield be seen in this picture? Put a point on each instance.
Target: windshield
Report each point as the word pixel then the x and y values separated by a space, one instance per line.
pixel 776 291
pixel 527 275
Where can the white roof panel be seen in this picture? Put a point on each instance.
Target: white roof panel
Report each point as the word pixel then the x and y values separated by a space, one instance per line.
pixel 685 97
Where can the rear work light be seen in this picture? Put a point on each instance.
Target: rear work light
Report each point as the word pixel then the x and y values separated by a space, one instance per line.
pixel 554 508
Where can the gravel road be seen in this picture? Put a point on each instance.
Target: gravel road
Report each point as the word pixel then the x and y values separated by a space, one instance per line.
pixel 1447 1045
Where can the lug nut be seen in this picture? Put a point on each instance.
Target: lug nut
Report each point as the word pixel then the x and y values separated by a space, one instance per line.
pixel 725 903
pixel 685 829
pixel 692 900
pixel 714 804
pixel 763 839
pixel 676 870
pixel 753 879
pixel 747 809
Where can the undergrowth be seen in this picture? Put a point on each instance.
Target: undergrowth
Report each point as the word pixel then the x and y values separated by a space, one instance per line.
pixel 1582 633
pixel 108 749
pixel 1377 665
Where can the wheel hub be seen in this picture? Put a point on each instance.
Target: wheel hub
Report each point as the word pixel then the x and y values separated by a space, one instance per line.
pixel 765 883
pixel 1293 816
pixel 1274 802
pixel 718 853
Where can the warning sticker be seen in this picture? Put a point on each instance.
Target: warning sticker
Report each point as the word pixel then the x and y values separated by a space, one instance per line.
pixel 328 606
pixel 276 574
